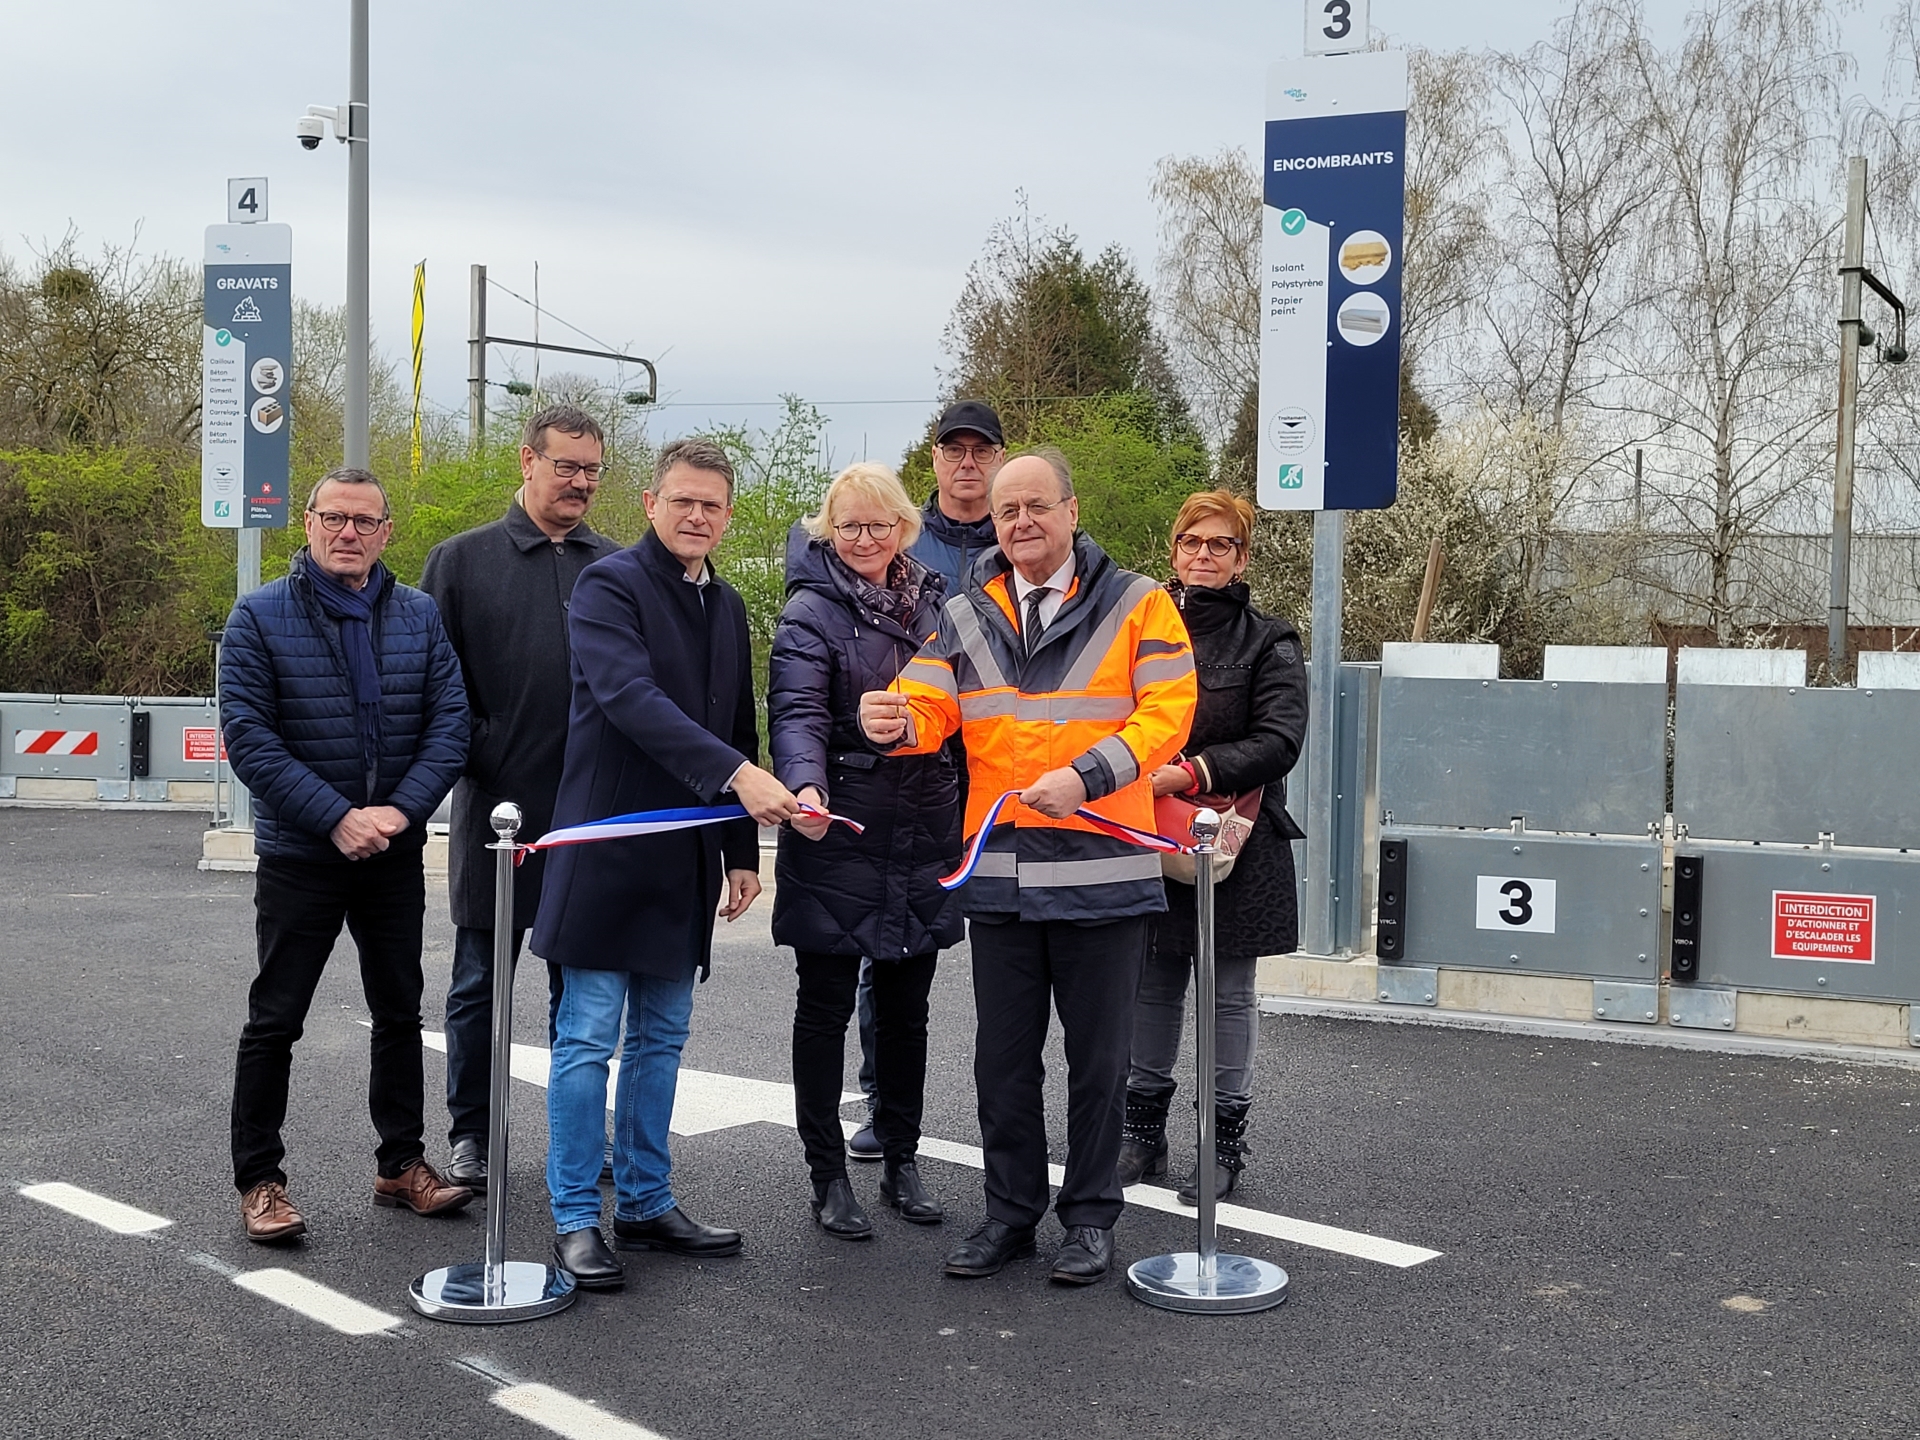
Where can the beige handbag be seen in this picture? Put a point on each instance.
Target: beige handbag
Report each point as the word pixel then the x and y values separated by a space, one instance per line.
pixel 1173 818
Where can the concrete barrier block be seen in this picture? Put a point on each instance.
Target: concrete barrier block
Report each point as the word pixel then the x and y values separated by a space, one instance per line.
pixel 69 791
pixel 233 850
pixel 190 792
pixel 1315 977
pixel 1545 997
pixel 1823 1019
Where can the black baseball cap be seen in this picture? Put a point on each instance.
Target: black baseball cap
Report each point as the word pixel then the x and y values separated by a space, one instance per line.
pixel 974 415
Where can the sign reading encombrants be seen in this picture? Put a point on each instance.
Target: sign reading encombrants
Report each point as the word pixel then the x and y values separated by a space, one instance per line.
pixel 245 376
pixel 1335 192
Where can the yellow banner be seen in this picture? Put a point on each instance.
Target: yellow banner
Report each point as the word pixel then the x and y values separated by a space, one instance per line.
pixel 419 329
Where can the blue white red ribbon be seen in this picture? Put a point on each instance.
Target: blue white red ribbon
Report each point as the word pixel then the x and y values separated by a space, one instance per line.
pixel 970 862
pixel 659 822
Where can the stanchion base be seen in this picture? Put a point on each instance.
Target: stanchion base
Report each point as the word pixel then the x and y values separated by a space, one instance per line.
pixel 473 1294
pixel 1239 1284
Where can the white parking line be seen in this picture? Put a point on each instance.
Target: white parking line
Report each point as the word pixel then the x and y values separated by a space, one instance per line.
pixel 708 1101
pixel 561 1413
pixel 316 1301
pixel 110 1214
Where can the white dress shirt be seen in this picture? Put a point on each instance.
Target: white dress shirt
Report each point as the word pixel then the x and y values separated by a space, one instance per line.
pixel 1050 603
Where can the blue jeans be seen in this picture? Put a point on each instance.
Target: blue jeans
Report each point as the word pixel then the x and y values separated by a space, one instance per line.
pixel 470 1028
pixel 588 1028
pixel 863 1007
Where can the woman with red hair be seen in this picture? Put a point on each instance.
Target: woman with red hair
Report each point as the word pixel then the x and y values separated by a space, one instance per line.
pixel 1246 735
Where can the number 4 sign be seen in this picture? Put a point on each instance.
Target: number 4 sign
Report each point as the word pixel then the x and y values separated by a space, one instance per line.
pixel 247 200
pixel 1336 27
pixel 1506 902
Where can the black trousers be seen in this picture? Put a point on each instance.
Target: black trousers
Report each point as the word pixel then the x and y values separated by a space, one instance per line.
pixel 821 1011
pixel 1091 975
pixel 299 907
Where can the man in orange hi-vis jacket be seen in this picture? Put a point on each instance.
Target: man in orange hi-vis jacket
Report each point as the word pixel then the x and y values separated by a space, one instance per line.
pixel 1070 680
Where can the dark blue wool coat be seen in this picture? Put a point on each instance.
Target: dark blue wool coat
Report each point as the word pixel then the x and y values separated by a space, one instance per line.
pixel 286 709
pixel 662 717
pixel 874 894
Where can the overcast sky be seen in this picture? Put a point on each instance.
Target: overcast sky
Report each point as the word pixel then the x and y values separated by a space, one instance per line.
pixel 763 196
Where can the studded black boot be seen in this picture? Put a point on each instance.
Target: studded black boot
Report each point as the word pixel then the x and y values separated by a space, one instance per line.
pixel 1143 1136
pixel 1229 1153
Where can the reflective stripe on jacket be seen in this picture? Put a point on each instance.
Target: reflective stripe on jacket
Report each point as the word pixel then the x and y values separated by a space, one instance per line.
pixel 1110 690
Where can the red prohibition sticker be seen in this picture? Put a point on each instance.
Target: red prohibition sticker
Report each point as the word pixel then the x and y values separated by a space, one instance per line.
pixel 1823 927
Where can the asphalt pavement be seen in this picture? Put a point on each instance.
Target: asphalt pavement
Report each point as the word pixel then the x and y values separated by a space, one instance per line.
pixel 1631 1242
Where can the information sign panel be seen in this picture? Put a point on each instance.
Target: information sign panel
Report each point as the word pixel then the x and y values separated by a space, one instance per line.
pixel 1335 192
pixel 1810 926
pixel 245 376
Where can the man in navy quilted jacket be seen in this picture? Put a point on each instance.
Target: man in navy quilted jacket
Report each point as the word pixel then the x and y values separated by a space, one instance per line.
pixel 345 717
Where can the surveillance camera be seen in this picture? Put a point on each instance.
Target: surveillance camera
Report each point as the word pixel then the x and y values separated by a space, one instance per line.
pixel 310 130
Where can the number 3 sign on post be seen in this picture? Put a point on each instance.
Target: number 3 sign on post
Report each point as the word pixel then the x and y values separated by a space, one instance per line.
pixel 1336 27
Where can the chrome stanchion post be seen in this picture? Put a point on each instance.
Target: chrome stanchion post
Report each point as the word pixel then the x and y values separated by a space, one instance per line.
pixel 1203 1281
pixel 1206 829
pixel 497 1290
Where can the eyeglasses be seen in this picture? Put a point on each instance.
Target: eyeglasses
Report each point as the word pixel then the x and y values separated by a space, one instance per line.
pixel 685 506
pixel 334 522
pixel 979 454
pixel 1035 510
pixel 1218 546
pixel 567 469
pixel 852 530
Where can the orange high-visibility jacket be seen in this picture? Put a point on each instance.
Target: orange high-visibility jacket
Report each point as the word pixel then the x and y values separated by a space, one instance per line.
pixel 1110 691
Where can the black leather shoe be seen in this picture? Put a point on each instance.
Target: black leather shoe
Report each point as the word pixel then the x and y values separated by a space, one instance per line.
pixel 468 1166
pixel 988 1249
pixel 862 1145
pixel 1086 1257
pixel 583 1254
pixel 677 1234
pixel 839 1213
pixel 900 1187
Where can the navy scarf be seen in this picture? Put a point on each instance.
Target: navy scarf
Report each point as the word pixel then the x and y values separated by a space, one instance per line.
pixel 354 610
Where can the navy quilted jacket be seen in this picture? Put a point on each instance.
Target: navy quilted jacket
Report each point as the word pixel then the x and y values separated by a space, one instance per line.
pixel 286 708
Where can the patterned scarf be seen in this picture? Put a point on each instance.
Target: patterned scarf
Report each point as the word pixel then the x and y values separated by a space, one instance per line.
pixel 898 599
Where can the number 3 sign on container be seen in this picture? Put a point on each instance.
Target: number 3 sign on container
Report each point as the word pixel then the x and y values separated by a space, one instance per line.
pixel 1336 27
pixel 1510 902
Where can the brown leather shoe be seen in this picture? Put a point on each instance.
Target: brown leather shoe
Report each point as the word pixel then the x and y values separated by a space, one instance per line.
pixel 421 1189
pixel 267 1212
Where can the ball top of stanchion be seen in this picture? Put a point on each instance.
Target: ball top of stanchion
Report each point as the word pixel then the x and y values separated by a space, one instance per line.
pixel 506 819
pixel 1205 825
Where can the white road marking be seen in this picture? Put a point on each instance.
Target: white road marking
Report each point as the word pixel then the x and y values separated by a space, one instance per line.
pixel 563 1414
pixel 316 1301
pixel 707 1101
pixel 110 1214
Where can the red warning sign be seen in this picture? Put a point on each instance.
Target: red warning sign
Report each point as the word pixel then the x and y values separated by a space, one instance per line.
pixel 200 745
pixel 1823 927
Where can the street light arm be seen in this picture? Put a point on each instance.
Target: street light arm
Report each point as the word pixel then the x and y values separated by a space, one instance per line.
pixel 653 376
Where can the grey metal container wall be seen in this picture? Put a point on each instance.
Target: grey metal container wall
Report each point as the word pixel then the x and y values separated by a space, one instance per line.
pixel 1572 756
pixel 66 737
pixel 1521 810
pixel 1794 797
pixel 182 736
pixel 1355 808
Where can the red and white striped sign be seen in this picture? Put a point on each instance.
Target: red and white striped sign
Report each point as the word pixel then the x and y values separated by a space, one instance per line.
pixel 56 742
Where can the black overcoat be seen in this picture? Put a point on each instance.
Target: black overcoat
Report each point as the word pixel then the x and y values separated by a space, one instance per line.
pixel 876 894
pixel 663 715
pixel 503 591
pixel 1247 731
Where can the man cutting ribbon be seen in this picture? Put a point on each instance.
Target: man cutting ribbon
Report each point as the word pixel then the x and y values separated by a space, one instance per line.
pixel 662 719
pixel 1070 680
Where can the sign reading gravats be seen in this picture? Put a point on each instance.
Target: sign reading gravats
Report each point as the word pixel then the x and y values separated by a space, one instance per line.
pixel 246 374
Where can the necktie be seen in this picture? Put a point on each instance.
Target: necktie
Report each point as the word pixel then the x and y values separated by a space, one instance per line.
pixel 1031 630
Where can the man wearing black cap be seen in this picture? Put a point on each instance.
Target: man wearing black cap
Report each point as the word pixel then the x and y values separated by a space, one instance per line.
pixel 968 450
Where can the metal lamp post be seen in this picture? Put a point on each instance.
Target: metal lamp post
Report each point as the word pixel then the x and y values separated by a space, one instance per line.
pixel 1203 1281
pixel 497 1290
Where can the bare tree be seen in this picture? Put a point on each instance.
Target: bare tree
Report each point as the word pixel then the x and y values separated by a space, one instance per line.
pixel 1731 356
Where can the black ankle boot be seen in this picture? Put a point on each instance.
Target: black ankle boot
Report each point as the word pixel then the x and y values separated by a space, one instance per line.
pixel 1143 1136
pixel 1230 1153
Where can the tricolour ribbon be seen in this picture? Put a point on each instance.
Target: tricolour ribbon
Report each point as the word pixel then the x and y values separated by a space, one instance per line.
pixel 659 822
pixel 970 862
